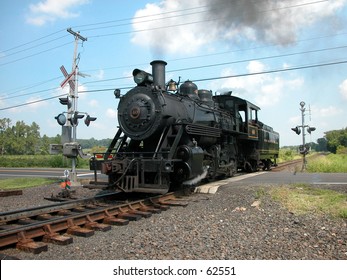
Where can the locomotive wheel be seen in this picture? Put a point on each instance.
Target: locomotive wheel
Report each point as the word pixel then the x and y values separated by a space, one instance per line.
pixel 251 166
pixel 267 165
pixel 181 172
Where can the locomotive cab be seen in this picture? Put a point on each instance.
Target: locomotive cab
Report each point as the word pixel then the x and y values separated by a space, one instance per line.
pixel 249 119
pixel 258 144
pixel 245 113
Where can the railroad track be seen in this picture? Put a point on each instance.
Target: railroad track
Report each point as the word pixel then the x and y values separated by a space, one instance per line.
pixel 287 164
pixel 32 229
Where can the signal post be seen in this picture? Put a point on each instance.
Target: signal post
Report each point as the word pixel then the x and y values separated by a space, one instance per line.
pixel 70 148
pixel 304 148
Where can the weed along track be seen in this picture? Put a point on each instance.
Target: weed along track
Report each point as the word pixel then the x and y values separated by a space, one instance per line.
pixel 32 229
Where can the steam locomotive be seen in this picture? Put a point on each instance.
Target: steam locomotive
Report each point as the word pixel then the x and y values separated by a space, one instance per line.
pixel 171 136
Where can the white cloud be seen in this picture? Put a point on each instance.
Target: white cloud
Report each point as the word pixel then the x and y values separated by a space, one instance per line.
pixel 264 90
pixel 255 66
pixel 100 75
pixel 111 113
pixel 93 103
pixel 329 111
pixel 178 34
pixel 343 89
pixel 51 10
pixel 293 121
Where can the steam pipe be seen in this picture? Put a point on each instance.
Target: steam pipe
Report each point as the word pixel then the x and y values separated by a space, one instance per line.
pixel 158 72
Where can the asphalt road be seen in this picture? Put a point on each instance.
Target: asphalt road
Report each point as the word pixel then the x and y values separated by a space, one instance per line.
pixel 283 177
pixel 39 172
pixel 286 177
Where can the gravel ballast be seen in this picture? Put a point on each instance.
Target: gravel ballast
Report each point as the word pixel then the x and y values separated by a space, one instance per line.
pixel 223 225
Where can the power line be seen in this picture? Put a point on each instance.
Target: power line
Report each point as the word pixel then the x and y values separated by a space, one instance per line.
pixel 5 96
pixel 211 8
pixel 33 41
pixel 197 80
pixel 230 62
pixel 35 46
pixel 32 102
pixel 127 32
pixel 194 22
pixel 35 54
pixel 273 71
pixel 192 68
pixel 257 58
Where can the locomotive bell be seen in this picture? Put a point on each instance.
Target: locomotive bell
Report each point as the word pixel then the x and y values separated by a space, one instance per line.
pixel 172 85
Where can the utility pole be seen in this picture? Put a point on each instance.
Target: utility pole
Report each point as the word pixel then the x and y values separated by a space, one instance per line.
pixel 74 99
pixel 304 149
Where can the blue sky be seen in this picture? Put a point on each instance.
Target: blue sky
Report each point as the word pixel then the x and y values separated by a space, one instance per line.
pixel 299 46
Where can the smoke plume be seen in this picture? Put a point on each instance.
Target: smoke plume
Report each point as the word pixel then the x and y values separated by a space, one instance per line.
pixel 200 22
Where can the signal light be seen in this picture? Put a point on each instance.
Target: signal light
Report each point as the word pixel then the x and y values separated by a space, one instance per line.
pixel 75 118
pixel 89 119
pixel 310 129
pixel 65 101
pixel 297 130
pixel 61 119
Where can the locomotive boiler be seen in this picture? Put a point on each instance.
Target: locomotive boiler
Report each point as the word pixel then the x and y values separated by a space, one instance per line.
pixel 170 137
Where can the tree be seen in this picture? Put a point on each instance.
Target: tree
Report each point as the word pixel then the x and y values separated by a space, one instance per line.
pixel 336 138
pixel 322 145
pixel 19 139
pixel 4 131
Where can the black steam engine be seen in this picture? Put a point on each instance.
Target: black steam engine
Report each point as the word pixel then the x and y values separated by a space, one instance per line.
pixel 170 137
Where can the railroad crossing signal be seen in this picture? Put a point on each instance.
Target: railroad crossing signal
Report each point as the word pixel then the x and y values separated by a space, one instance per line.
pixel 304 148
pixel 89 119
pixel 61 119
pixel 69 78
pixel 297 130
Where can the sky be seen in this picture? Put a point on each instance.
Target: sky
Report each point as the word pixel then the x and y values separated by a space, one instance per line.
pixel 274 53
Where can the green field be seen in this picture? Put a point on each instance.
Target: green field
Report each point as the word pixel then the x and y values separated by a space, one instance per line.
pixel 302 199
pixel 22 183
pixel 55 161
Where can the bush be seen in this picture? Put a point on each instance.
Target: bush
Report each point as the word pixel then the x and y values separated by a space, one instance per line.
pixel 341 150
pixel 286 155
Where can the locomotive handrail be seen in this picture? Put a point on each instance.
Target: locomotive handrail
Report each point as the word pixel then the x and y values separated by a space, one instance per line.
pixel 132 153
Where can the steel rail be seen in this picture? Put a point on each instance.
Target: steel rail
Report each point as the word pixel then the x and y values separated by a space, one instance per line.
pixel 76 219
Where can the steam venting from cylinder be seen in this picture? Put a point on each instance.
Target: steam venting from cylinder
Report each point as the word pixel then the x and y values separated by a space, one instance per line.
pixel 158 72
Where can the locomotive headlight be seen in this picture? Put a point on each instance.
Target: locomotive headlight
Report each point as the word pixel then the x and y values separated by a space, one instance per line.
pixel 142 77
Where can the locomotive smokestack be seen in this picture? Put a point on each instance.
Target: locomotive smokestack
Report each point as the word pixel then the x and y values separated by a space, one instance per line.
pixel 158 72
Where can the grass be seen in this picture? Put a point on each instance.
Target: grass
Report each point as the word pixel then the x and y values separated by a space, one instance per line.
pixel 55 161
pixel 301 199
pixel 332 163
pixel 22 183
